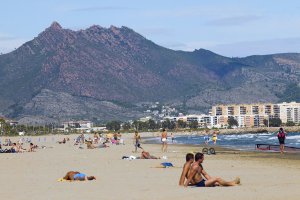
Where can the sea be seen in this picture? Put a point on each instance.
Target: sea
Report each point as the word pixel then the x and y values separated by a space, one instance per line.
pixel 245 141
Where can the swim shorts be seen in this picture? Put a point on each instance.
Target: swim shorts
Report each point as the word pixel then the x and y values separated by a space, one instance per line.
pixel 201 183
pixel 79 176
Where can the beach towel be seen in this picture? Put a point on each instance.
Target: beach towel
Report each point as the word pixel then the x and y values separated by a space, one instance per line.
pixel 129 158
pixel 167 164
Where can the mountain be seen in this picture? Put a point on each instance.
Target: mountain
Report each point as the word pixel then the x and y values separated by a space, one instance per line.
pixel 102 73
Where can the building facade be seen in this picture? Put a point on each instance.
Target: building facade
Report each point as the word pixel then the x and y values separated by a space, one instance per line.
pixel 253 115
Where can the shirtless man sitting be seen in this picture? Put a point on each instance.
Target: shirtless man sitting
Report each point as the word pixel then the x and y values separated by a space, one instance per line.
pixel 186 167
pixel 196 172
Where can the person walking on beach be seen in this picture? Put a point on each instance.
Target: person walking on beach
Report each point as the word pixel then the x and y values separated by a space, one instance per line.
pixel 186 167
pixel 137 140
pixel 196 172
pixel 164 136
pixel 214 137
pixel 281 138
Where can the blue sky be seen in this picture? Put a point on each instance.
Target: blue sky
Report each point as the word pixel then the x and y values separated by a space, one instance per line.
pixel 230 28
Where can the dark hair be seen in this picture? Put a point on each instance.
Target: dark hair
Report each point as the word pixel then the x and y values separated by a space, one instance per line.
pixel 189 156
pixel 281 129
pixel 198 156
pixel 164 129
pixel 91 178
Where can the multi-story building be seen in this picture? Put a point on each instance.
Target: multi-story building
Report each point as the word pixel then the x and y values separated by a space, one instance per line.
pixel 253 115
pixel 289 112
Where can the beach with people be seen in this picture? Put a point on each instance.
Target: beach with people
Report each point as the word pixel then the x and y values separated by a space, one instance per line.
pixel 36 175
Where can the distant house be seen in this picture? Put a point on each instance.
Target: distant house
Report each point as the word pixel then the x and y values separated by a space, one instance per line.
pixel 78 125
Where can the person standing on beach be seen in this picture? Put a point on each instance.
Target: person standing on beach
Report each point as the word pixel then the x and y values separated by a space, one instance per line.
pixel 281 138
pixel 186 167
pixel 137 140
pixel 172 137
pixel 214 137
pixel 164 136
pixel 196 172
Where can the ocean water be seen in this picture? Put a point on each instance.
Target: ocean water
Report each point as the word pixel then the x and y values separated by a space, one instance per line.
pixel 236 141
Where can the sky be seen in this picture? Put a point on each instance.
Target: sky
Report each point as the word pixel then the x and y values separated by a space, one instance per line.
pixel 233 28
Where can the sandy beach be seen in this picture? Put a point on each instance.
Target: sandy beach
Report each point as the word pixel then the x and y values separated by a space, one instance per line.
pixel 34 175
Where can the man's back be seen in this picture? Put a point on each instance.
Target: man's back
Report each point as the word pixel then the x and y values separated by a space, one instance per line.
pixel 185 172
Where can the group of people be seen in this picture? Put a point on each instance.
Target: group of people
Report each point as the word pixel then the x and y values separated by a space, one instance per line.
pixel 214 138
pixel 193 174
pixel 18 148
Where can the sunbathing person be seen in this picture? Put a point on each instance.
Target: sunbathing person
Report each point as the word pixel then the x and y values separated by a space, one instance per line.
pixel 186 167
pixel 62 142
pixel 77 176
pixel 196 172
pixel 90 145
pixel 146 155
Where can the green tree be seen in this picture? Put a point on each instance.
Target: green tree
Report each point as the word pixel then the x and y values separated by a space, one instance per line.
pixel 232 122
pixel 290 123
pixel 273 122
pixel 4 127
pixel 113 125
pixel 126 126
pixel 193 124
pixel 181 124
pixel 152 124
pixel 166 123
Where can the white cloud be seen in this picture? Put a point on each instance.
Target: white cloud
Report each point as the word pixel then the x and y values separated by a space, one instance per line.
pixel 234 20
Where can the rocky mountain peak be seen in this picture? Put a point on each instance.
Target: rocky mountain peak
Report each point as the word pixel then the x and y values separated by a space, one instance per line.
pixel 55 25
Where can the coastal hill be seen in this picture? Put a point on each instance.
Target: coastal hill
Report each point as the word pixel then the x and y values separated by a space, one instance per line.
pixel 102 73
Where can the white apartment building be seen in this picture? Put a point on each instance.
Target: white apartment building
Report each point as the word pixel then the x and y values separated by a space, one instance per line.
pixel 290 112
pixel 79 125
pixel 253 115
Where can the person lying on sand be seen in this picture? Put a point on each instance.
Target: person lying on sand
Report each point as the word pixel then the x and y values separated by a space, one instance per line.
pixel 186 167
pixel 77 176
pixel 90 145
pixel 146 155
pixel 62 142
pixel 196 172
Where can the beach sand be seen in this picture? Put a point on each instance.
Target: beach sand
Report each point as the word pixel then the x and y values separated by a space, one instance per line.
pixel 34 175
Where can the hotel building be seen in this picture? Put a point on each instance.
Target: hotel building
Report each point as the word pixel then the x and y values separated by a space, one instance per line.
pixel 253 115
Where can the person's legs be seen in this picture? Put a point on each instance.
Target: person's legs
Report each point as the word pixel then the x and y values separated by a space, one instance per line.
pixel 166 146
pixel 218 180
pixel 281 148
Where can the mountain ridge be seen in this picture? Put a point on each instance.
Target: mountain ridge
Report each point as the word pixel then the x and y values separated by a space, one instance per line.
pixel 118 64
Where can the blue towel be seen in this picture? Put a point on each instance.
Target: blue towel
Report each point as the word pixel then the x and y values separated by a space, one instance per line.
pixel 167 164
